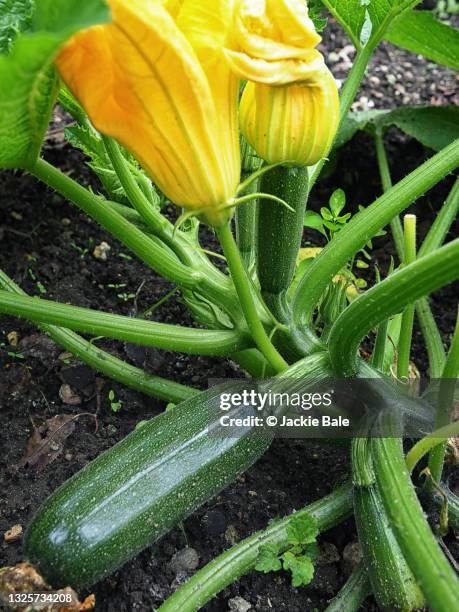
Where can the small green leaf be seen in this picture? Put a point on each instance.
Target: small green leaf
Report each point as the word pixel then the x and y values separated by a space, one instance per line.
pixel 333 227
pixel 344 218
pixel 302 529
pixel 301 568
pixel 268 559
pixel 313 220
pixel 337 201
pixel 361 264
pixel 421 33
pixel 326 214
pixel 28 80
pixel 366 20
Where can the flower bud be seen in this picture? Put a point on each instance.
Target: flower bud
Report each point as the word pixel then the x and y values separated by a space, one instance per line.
pixel 293 124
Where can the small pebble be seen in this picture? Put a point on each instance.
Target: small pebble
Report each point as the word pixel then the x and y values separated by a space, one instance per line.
pixel 185 560
pixel 69 396
pixel 231 535
pixel 13 338
pixel 101 251
pixel 239 604
pixel 13 534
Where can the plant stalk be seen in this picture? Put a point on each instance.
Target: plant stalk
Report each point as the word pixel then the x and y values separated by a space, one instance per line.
pixel 406 329
pixel 137 331
pixel 364 226
pixel 107 364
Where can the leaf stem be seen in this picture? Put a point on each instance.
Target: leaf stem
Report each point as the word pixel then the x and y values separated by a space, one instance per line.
pixel 406 328
pixel 107 364
pixel 364 226
pixel 423 446
pixel 245 293
pixel 385 299
pixel 137 331
pixel 355 590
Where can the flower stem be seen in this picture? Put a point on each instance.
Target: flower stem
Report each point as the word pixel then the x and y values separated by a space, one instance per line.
pixel 107 364
pixel 406 329
pixel 245 293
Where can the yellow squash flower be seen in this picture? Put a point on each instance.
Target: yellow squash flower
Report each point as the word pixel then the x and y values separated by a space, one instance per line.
pixel 156 80
pixel 290 111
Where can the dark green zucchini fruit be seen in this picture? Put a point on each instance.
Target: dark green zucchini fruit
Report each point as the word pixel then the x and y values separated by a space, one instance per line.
pixel 136 491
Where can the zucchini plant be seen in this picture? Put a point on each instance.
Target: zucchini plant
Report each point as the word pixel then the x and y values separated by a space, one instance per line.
pixel 161 94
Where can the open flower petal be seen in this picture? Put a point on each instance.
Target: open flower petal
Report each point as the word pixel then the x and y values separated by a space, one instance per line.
pixel 141 82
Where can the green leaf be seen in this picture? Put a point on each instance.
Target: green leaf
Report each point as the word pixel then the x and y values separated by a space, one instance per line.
pixel 313 220
pixel 367 20
pixel 434 126
pixel 421 33
pixel 15 17
pixel 326 214
pixel 301 568
pixel 337 201
pixel 316 9
pixel 302 529
pixel 268 559
pixel 28 80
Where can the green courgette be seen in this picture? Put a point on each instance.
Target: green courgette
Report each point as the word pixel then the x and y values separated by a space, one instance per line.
pixel 279 233
pixel 135 492
pixel 139 489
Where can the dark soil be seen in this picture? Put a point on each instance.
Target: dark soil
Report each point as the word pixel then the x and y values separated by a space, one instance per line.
pixel 47 246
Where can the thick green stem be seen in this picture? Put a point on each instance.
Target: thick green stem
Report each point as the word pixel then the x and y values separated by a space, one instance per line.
pixel 392 581
pixel 203 277
pixel 145 248
pixel 430 567
pixel 137 331
pixel 353 593
pixel 107 364
pixel 246 298
pixel 241 558
pixel 279 233
pixel 387 298
pixel 364 226
pixel 406 328
pixel 445 402
pixel 443 221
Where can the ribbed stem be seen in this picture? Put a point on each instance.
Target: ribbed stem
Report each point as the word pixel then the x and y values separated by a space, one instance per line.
pixel 430 567
pixel 137 331
pixel 364 226
pixel 385 299
pixel 107 364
